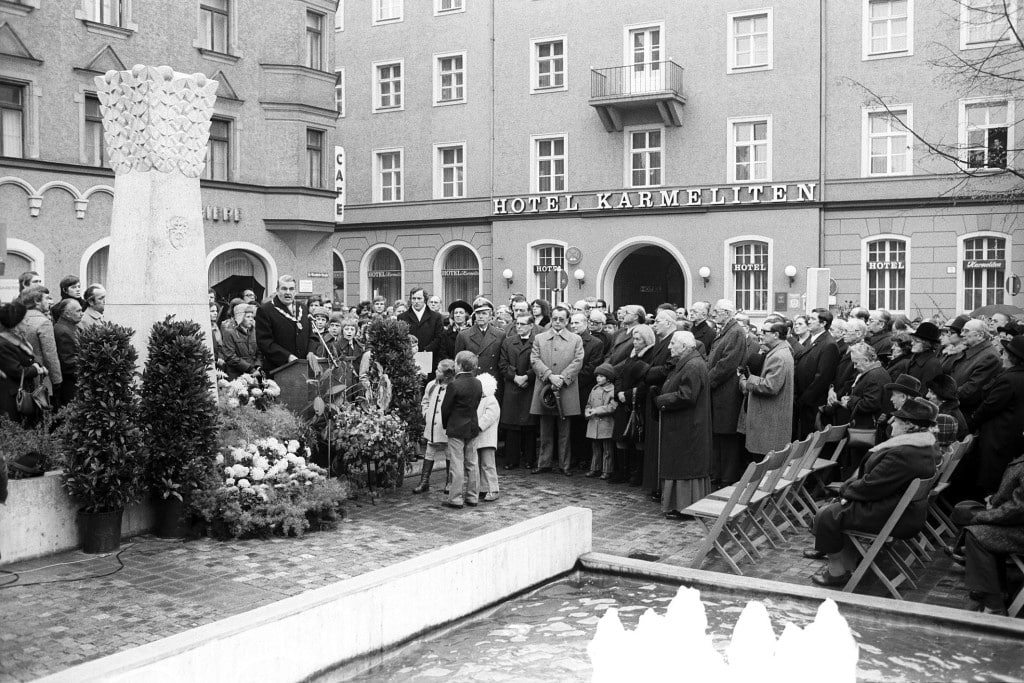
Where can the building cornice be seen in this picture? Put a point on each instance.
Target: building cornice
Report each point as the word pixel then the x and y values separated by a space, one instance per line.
pixel 299 70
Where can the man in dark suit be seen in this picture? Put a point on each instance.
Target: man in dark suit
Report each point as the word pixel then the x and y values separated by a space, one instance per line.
pixel 727 354
pixel 424 324
pixel 593 353
pixel 975 369
pixel 458 416
pixel 880 333
pixel 483 339
pixel 814 372
pixel 702 329
pixel 664 328
pixel 282 329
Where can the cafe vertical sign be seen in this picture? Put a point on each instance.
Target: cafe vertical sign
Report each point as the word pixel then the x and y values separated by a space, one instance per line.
pixel 339 184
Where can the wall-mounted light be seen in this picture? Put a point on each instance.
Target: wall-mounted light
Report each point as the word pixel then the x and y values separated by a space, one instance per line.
pixel 790 272
pixel 507 274
pixel 705 273
pixel 580 277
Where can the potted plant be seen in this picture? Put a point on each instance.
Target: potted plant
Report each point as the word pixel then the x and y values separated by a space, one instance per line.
pixel 102 440
pixel 178 417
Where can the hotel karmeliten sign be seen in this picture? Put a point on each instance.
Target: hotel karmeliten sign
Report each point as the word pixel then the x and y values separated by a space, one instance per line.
pixel 619 200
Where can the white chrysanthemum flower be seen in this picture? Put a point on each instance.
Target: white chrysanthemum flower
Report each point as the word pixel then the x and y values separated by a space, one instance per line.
pixel 233 402
pixel 244 483
pixel 293 446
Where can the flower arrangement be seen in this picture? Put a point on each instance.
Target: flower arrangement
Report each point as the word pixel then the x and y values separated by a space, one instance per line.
pixel 269 487
pixel 368 438
pixel 248 389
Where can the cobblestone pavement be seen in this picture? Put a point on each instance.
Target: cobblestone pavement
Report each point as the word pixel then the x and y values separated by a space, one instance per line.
pixel 63 610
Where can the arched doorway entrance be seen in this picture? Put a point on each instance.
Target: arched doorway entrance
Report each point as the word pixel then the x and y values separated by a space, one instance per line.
pixel 232 272
pixel 648 276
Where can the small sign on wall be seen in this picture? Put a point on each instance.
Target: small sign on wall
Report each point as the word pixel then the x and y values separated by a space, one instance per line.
pixel 305 286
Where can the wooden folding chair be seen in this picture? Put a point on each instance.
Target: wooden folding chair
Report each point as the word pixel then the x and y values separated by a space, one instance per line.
pixel 813 464
pixel 787 502
pixel 721 519
pixel 871 547
pixel 939 523
pixel 1018 602
pixel 763 496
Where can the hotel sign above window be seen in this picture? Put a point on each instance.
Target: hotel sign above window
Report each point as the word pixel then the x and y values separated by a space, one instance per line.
pixel 997 264
pixel 887 265
pixel 652 199
pixel 749 267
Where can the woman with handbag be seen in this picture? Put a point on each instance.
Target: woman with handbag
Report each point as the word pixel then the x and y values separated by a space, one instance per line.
pixel 18 372
pixel 629 416
pixel 863 406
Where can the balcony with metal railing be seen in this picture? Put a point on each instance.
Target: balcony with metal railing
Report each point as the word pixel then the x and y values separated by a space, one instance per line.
pixel 644 85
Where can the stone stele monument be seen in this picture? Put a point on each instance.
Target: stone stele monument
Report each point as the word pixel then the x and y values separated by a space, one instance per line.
pixel 156 124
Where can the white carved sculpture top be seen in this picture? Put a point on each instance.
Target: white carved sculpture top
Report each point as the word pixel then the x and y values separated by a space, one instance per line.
pixel 156 119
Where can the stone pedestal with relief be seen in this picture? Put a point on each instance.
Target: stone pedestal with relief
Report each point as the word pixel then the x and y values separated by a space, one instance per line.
pixel 156 124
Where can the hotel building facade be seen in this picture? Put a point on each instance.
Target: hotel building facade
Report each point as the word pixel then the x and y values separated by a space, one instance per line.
pixel 658 151
pixel 267 192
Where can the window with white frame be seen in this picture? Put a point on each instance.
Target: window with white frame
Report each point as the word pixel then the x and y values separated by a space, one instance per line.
pixel 387 165
pixel 645 157
pixel 549 157
pixel 315 157
pixel 984 271
pixel 750 157
pixel 888 28
pixel 385 11
pixel 886 272
pixel 449 7
pixel 388 78
pixel 384 277
pixel 450 171
pixel 315 40
pixel 12 120
pixel 986 22
pixel 549 262
pixel 986 133
pixel 548 64
pixel 750 40
pixel 110 12
pixel 95 150
pixel 213 25
pixel 339 91
pixel 218 150
pixel 888 144
pixel 450 79
pixel 750 276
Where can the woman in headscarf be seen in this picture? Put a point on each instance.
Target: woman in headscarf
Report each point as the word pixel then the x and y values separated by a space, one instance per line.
pixel 629 386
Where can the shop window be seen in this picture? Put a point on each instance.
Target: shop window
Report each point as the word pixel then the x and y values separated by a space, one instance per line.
pixel 645 161
pixel 986 132
pixel 388 90
pixel 887 142
pixel 449 171
pixel 984 23
pixel 460 274
pixel 384 276
pixel 750 41
pixel 750 150
pixel 750 276
pixel 12 120
pixel 339 278
pixel 450 79
pixel 984 271
pixel 218 151
pixel 387 175
pixel 888 28
pixel 387 11
pixel 549 269
pixel 548 64
pixel 886 274
pixel 95 150
pixel 96 268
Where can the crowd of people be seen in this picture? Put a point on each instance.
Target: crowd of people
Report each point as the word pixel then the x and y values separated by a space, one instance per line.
pixel 676 401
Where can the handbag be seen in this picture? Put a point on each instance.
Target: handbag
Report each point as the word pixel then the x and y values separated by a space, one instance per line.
pixel 24 401
pixel 860 437
pixel 634 430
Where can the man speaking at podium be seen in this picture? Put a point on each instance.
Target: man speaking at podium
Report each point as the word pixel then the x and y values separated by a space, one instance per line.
pixel 282 327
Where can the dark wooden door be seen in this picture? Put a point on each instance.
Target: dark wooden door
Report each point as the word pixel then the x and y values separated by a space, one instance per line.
pixel 648 277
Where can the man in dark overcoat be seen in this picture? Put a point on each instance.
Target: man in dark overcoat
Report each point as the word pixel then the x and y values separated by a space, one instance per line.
pixel 727 353
pixel 664 327
pixel 975 369
pixel 593 354
pixel 518 376
pixel 282 327
pixel 424 324
pixel 999 421
pixel 459 418
pixel 814 372
pixel 483 339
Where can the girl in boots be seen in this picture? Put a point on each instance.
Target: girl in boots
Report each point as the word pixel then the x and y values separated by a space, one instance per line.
pixel 433 430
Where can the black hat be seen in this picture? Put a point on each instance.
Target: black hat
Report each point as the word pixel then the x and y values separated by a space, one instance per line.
pixel 606 369
pixel 459 303
pixel 1012 328
pixel 957 324
pixel 927 331
pixel 905 384
pixel 11 314
pixel 1015 347
pixel 549 397
pixel 943 386
pixel 918 410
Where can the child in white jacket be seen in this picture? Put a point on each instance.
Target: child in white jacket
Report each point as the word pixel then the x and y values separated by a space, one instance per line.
pixel 433 430
pixel 487 415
